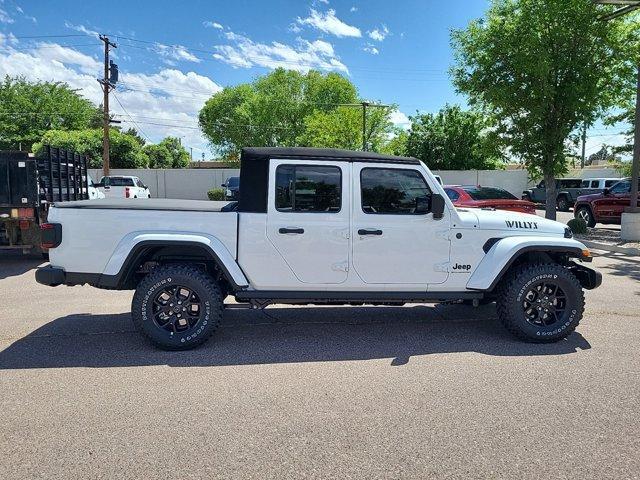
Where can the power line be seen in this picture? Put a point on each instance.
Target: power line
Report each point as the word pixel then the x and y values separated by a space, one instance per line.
pixel 131 118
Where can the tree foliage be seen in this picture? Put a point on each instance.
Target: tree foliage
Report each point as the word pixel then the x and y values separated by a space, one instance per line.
pixel 169 153
pixel 541 67
pixel 288 108
pixel 342 128
pixel 453 139
pixel 125 151
pixel 28 110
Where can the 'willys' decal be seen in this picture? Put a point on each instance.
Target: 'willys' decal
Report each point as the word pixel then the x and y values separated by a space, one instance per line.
pixel 521 224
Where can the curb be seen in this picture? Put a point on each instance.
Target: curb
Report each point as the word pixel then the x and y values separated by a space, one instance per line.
pixel 632 252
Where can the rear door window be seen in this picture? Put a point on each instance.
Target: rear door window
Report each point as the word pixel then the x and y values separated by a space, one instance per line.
pixel 570 183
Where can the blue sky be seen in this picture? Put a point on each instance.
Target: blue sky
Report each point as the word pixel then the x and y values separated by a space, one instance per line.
pixel 173 55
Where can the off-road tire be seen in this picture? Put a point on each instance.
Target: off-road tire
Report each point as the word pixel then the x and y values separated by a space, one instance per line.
pixel 511 298
pixel 586 214
pixel 204 288
pixel 562 203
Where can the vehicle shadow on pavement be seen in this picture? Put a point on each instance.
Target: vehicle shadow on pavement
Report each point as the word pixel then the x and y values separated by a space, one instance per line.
pixel 13 264
pixel 282 335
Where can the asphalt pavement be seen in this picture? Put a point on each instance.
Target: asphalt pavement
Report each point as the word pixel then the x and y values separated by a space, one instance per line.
pixel 421 391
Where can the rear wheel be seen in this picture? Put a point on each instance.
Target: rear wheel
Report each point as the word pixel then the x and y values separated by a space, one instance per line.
pixel 585 214
pixel 177 307
pixel 540 303
pixel 563 203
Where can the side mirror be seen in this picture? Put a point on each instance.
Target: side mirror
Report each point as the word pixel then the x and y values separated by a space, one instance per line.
pixel 606 192
pixel 224 185
pixel 437 206
pixel 422 205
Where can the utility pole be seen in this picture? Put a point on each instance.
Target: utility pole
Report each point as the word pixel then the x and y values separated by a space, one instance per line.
pixel 364 106
pixel 191 148
pixel 584 144
pixel 107 86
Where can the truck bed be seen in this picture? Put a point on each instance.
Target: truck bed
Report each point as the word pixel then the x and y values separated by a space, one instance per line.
pixel 148 204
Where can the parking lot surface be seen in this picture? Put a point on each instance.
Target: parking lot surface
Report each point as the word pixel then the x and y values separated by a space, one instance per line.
pixel 326 392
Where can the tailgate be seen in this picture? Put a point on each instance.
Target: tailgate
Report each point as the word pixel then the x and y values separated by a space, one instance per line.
pixel 18 181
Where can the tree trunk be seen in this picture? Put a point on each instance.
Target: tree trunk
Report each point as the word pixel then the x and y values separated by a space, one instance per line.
pixel 551 193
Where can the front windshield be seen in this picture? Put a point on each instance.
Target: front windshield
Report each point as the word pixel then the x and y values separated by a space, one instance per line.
pixel 233 182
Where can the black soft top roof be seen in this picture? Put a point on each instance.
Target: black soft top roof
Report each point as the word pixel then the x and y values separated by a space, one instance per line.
pixel 254 168
pixel 329 154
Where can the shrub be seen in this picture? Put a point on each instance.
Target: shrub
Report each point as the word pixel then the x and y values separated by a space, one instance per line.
pixel 577 226
pixel 216 194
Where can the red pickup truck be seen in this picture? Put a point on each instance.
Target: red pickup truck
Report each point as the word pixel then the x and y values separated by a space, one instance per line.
pixel 605 207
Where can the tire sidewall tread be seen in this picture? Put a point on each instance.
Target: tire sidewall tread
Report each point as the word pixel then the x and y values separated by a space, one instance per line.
pixel 515 285
pixel 189 276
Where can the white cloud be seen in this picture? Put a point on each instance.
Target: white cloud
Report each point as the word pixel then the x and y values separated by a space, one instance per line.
pixel 81 29
pixel 353 9
pixel 213 25
pixel 6 39
pixel 5 17
pixel 329 23
pixel 400 120
pixel 379 34
pixel 175 52
pixel 303 56
pixel 371 49
pixel 168 97
pixel 326 2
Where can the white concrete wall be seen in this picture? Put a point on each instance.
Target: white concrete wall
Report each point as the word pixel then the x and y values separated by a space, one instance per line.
pixel 188 184
pixel 193 184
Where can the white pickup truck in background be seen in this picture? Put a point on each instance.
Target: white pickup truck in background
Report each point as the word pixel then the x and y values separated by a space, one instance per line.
pixel 123 187
pixel 316 226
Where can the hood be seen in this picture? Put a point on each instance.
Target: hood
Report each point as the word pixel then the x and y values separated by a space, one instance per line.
pixel 503 220
pixel 588 198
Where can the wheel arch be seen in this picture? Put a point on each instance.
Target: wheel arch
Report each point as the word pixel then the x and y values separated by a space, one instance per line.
pixel 510 252
pixel 123 272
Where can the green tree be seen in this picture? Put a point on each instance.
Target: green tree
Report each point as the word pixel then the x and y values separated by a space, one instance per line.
pixel 179 156
pixel 271 110
pixel 542 67
pixel 125 150
pixel 342 128
pixel 453 139
pixel 29 109
pixel 159 156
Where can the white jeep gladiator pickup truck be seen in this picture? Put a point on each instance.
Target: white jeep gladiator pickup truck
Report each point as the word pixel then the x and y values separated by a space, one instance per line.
pixel 315 226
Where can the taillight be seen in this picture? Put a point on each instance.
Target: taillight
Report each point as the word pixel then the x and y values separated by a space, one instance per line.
pixel 26 213
pixel 50 235
pixel 126 192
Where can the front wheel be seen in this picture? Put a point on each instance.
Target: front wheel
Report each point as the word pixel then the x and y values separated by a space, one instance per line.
pixel 585 214
pixel 540 303
pixel 177 307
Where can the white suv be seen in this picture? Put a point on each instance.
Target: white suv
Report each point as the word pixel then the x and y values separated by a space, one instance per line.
pixel 123 187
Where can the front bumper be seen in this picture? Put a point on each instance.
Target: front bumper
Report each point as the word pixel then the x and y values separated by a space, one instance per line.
pixel 588 278
pixel 51 276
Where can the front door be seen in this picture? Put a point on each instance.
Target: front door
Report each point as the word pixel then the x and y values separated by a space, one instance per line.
pixel 308 218
pixel 392 243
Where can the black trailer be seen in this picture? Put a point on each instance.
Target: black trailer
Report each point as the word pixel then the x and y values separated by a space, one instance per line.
pixel 28 185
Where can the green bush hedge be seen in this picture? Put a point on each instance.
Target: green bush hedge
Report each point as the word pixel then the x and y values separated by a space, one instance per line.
pixel 577 225
pixel 216 194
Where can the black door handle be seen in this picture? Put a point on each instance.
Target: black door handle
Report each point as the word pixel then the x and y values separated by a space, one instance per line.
pixel 291 230
pixel 364 231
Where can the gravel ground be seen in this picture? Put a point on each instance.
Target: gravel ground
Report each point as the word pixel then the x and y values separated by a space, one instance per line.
pixel 334 392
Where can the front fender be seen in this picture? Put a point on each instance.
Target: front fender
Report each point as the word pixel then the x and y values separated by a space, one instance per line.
pixel 505 251
pixel 118 261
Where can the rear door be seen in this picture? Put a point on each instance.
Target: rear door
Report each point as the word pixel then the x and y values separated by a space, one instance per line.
pixel 391 243
pixel 308 218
